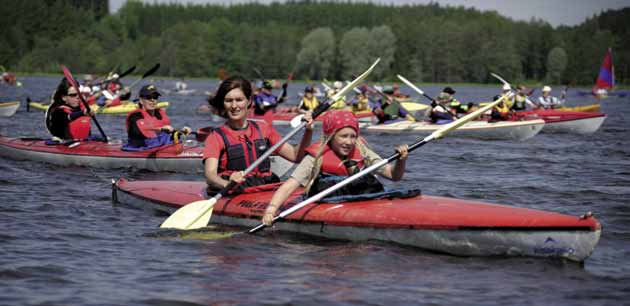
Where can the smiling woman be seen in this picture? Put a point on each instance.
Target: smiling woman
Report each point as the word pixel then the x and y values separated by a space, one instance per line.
pixel 232 147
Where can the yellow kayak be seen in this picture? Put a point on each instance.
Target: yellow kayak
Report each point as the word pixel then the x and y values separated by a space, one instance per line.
pixel 583 108
pixel 123 109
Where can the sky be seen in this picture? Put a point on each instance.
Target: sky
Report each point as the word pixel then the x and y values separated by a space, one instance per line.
pixel 556 12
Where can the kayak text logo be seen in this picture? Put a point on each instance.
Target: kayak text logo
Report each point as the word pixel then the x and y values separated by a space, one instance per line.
pixel 550 248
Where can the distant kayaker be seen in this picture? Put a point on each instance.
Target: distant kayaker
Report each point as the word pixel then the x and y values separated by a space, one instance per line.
pixel 360 102
pixel 309 100
pixel 148 126
pixel 389 109
pixel 265 100
pixel 397 94
pixel 340 103
pixel 233 146
pixel 501 111
pixel 457 107
pixel 440 113
pixel 67 118
pixel 339 154
pixel 521 100
pixel 547 100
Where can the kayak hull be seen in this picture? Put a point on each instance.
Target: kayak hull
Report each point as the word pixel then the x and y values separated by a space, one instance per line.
pixel 173 158
pixel 568 122
pixel 8 109
pixel 451 226
pixel 502 130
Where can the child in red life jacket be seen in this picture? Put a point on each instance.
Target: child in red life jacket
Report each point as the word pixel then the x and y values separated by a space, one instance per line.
pixel 235 145
pixel 341 153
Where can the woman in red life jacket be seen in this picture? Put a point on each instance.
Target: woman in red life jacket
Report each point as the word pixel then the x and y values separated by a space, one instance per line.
pixel 67 118
pixel 235 145
pixel 339 154
pixel 148 126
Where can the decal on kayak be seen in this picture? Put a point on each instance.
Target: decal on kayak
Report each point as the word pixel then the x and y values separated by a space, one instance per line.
pixel 550 248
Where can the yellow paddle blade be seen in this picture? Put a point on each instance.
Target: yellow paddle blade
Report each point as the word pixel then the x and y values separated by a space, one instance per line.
pixel 191 216
pixel 349 86
pixel 413 106
pixel 463 120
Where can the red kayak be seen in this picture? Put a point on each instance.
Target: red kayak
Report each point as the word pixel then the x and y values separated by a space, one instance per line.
pixel 559 121
pixel 452 226
pixel 182 157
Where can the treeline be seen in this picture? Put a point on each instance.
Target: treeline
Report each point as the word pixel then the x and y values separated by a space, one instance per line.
pixel 313 39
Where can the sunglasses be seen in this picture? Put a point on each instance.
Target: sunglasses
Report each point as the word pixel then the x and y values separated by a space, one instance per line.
pixel 73 95
pixel 155 97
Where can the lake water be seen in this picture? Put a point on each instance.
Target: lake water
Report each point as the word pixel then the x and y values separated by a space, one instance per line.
pixel 63 242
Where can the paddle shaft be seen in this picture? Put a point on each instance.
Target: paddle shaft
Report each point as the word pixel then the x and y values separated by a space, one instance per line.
pixel 435 135
pixel 146 74
pixel 418 90
pixel 130 70
pixel 74 84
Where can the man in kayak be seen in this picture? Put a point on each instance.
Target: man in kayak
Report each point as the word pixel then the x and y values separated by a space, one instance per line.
pixel 66 117
pixel 521 100
pixel 339 154
pixel 360 102
pixel 148 126
pixel 389 109
pixel 457 107
pixel 233 146
pixel 440 113
pixel 341 103
pixel 547 100
pixel 265 100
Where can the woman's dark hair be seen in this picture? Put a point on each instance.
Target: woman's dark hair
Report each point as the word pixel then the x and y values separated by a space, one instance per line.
pixel 61 91
pixel 226 86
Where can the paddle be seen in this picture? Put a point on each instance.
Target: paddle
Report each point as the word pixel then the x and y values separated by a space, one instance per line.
pixel 145 75
pixel 74 84
pixel 120 76
pixel 418 90
pixel 197 214
pixel 435 135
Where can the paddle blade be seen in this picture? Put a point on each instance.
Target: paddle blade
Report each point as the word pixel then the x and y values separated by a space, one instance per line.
pixel 191 216
pixel 418 90
pixel 500 79
pixel 346 89
pixel 151 71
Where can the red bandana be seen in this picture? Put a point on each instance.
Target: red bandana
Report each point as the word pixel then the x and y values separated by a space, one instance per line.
pixel 335 120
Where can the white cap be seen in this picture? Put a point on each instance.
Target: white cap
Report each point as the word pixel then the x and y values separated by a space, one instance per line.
pixel 506 87
pixel 546 88
pixel 337 84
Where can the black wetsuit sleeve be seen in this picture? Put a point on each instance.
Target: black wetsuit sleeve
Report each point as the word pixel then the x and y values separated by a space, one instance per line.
pixel 59 123
pixel 134 132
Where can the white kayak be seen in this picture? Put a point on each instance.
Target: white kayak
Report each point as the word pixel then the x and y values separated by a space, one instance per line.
pixel 501 130
pixel 7 109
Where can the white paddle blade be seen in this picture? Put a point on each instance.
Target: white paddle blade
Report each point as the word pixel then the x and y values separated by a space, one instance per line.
pixel 463 120
pixel 295 122
pixel 346 89
pixel 500 79
pixel 418 90
pixel 191 216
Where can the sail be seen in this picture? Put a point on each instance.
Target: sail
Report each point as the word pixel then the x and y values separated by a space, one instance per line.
pixel 606 77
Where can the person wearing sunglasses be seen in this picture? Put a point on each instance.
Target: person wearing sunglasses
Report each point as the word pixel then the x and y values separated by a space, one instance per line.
pixel 149 126
pixel 67 118
pixel 235 145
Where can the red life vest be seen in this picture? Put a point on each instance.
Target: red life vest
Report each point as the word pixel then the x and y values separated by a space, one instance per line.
pixel 149 124
pixel 240 154
pixel 332 164
pixel 78 128
pixel 115 102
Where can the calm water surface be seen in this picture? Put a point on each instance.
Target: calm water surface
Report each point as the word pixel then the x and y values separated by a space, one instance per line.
pixel 63 242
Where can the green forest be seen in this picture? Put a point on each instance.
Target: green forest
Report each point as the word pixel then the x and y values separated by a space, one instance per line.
pixel 312 39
